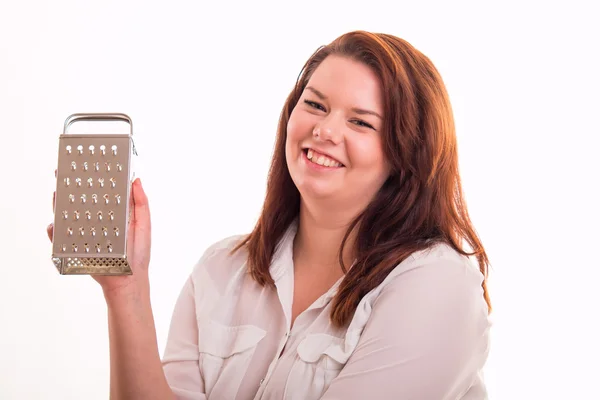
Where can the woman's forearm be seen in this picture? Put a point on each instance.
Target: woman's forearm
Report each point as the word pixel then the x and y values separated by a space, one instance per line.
pixel 135 366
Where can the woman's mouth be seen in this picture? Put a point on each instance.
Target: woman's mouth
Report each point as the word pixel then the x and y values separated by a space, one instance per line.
pixel 321 159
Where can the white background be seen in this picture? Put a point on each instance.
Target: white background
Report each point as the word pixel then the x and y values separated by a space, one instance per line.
pixel 205 84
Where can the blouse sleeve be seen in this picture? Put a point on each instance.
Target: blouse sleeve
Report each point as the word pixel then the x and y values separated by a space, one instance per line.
pixel 180 360
pixel 426 338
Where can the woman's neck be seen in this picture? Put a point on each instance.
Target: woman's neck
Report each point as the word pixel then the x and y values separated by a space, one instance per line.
pixel 319 237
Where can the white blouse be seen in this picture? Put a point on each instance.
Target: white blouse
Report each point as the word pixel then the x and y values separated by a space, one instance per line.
pixel 422 334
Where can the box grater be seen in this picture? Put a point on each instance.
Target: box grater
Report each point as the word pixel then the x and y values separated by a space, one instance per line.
pixel 93 189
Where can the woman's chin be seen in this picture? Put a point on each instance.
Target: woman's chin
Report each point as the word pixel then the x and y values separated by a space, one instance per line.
pixel 317 191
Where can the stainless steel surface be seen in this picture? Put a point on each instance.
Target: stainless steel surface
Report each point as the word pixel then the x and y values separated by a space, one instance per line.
pixel 93 189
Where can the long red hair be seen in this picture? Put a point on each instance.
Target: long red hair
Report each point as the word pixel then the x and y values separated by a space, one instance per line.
pixel 420 204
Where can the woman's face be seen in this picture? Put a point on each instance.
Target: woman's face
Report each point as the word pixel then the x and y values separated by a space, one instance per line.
pixel 334 139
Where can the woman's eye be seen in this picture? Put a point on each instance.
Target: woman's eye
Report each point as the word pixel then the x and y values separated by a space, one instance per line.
pixel 314 105
pixel 363 123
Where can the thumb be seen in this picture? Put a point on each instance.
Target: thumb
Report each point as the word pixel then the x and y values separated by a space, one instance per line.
pixel 141 212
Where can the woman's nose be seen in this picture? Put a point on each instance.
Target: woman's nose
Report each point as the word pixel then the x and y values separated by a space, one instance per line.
pixel 327 133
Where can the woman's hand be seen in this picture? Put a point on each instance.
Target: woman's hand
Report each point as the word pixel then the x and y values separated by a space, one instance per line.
pixel 138 245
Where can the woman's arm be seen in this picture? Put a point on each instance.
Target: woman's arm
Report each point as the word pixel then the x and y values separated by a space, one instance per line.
pixel 135 367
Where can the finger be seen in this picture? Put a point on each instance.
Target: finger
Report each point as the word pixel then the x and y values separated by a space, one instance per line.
pixel 54 195
pixel 50 231
pixel 139 237
pixel 141 209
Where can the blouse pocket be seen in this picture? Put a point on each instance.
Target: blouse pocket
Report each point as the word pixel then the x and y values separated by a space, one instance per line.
pixel 225 354
pixel 323 350
pixel 321 357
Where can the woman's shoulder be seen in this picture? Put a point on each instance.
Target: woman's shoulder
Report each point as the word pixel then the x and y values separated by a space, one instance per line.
pixel 440 258
pixel 436 282
pixel 435 272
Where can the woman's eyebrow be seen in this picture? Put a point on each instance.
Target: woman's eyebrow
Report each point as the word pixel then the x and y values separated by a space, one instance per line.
pixel 315 91
pixel 360 111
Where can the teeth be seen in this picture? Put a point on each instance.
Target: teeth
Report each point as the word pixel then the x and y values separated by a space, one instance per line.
pixel 322 160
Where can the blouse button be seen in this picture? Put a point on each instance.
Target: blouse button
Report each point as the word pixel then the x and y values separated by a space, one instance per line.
pixel 261 381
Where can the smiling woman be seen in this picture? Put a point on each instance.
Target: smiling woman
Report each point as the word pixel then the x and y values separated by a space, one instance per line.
pixel 332 122
pixel 357 274
pixel 356 282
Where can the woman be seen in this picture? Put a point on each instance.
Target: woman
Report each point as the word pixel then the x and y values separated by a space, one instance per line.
pixel 354 284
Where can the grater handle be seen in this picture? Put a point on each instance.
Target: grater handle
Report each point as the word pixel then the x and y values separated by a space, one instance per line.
pixel 98 117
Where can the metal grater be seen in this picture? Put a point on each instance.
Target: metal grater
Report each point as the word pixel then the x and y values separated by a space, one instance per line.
pixel 93 189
